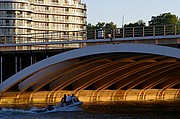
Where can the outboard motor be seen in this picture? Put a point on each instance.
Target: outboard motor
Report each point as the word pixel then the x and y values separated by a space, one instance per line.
pixel 50 107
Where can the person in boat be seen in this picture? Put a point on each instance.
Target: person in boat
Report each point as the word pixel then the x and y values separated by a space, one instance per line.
pixel 63 100
pixel 74 98
pixel 68 99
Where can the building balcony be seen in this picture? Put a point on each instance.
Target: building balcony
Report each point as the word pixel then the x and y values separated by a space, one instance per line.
pixel 20 1
pixel 15 25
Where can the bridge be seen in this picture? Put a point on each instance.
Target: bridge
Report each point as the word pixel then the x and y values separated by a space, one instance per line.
pixel 140 63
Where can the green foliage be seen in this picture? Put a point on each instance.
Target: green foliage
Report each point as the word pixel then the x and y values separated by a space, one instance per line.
pixel 110 25
pixel 105 28
pixel 164 19
pixel 139 28
pixel 101 25
pixel 135 24
pixel 90 26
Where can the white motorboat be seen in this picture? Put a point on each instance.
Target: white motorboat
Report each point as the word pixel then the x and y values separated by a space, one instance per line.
pixel 60 107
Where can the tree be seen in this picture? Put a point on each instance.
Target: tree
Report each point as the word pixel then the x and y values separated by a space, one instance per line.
pixel 110 25
pixel 90 26
pixel 164 19
pixel 138 23
pixel 105 28
pixel 101 25
pixel 168 19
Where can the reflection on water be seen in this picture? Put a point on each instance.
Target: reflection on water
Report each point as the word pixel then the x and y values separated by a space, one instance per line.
pixel 71 115
pixel 123 110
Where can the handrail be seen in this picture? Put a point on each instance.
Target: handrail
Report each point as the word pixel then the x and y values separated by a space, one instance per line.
pixel 74 44
pixel 125 32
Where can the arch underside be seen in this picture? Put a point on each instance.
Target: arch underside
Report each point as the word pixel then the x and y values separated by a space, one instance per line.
pixel 115 71
pixel 105 71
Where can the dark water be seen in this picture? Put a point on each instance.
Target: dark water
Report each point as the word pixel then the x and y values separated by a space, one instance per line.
pixel 79 115
pixel 101 111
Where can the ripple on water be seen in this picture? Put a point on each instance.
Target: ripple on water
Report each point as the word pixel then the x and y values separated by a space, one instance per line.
pixel 121 110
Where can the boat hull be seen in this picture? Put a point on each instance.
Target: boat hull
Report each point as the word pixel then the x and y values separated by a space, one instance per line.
pixel 57 108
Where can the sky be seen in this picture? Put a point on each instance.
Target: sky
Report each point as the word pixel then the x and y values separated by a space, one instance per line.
pixel 128 11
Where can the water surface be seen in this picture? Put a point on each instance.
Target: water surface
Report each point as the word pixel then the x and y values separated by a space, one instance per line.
pixel 101 110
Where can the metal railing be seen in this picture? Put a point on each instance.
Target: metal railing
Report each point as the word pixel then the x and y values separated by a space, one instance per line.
pixel 43 37
pixel 141 31
pixel 59 36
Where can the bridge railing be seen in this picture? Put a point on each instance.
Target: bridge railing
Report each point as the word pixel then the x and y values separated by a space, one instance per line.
pixel 141 31
pixel 58 36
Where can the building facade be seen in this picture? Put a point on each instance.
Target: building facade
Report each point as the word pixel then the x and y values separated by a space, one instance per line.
pixel 21 20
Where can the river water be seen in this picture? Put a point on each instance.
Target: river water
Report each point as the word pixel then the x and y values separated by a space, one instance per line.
pixel 100 111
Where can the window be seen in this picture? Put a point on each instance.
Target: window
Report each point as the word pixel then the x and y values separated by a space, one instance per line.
pixel 40 1
pixel 9 13
pixel 55 1
pixel 46 8
pixel 7 21
pixel 67 9
pixel 66 17
pixel 66 25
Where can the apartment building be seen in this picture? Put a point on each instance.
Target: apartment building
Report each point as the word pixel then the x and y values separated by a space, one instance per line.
pixel 30 20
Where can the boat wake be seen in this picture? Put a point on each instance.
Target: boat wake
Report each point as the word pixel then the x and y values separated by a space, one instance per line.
pixel 6 113
pixel 31 111
pixel 14 111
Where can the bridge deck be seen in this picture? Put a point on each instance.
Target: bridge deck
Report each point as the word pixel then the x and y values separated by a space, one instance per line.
pixel 69 44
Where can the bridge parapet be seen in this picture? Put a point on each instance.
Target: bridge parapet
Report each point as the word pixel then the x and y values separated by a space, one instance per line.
pixel 125 32
pixel 139 31
pixel 164 34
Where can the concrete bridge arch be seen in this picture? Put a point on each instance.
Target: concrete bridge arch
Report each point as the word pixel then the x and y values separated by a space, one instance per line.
pixel 101 67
